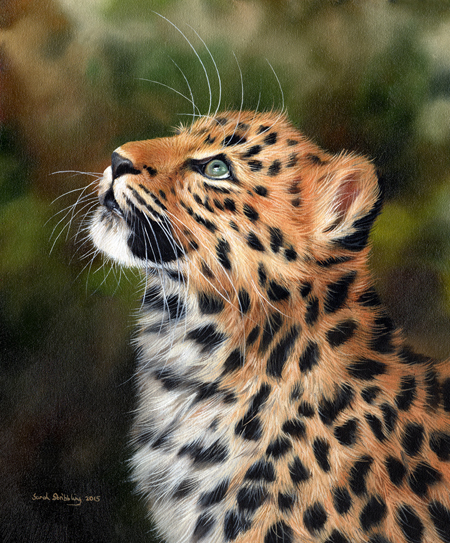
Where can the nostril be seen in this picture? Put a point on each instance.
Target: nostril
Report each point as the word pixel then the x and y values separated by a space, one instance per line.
pixel 121 165
pixel 108 200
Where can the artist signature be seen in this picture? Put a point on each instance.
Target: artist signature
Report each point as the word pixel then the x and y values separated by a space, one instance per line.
pixel 67 499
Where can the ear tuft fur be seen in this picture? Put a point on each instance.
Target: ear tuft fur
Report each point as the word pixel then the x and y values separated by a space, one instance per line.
pixel 357 240
pixel 348 201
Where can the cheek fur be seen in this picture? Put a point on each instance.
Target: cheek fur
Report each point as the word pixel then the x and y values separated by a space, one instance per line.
pixel 110 235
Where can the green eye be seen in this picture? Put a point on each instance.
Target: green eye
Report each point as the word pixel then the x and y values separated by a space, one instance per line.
pixel 217 169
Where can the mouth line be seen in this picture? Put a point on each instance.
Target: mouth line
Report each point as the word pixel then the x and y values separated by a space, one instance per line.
pixel 111 214
pixel 108 200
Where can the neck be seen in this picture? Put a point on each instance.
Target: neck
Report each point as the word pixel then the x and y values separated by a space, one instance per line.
pixel 231 383
pixel 235 338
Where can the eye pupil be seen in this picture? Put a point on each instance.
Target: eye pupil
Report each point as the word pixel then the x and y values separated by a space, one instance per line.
pixel 217 168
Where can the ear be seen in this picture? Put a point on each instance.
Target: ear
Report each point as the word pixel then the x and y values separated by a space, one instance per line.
pixel 347 201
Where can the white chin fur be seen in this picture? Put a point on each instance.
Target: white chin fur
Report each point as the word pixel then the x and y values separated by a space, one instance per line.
pixel 109 234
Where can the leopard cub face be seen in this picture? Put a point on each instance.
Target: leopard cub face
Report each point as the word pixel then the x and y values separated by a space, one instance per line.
pixel 231 190
pixel 276 400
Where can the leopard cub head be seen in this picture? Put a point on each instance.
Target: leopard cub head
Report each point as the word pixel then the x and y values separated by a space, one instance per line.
pixel 231 198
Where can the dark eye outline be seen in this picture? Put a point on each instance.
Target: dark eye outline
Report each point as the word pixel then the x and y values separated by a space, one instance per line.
pixel 200 167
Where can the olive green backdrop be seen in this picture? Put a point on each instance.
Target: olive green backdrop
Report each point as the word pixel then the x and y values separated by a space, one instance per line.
pixel 76 81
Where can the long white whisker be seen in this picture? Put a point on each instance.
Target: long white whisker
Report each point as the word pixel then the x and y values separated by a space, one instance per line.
pixel 87 205
pixel 216 68
pixel 257 104
pixel 170 88
pixel 242 88
pixel 279 86
pixel 82 190
pixel 67 211
pixel 195 53
pixel 67 226
pixel 94 174
pixel 194 107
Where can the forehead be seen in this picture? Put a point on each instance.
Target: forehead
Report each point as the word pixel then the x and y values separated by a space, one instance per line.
pixel 257 144
pixel 240 126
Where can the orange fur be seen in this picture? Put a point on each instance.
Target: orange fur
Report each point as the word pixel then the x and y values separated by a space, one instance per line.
pixel 308 378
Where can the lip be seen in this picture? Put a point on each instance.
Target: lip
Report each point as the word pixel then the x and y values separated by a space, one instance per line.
pixel 108 200
pixel 106 196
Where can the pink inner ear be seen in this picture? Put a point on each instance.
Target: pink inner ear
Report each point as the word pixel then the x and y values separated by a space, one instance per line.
pixel 346 194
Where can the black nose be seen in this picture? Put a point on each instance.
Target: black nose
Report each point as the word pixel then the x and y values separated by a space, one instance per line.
pixel 121 165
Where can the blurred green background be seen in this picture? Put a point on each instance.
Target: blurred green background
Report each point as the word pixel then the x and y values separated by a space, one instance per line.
pixel 370 76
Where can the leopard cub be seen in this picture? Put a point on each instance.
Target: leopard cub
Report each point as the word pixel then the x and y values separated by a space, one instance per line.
pixel 277 402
